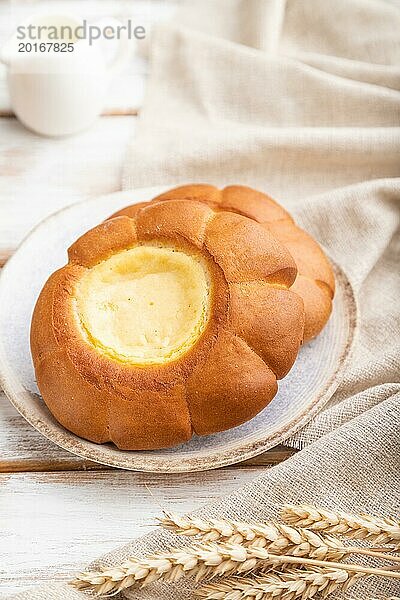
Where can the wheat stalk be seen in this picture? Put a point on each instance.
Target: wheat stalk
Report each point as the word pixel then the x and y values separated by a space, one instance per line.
pixel 210 559
pixel 378 530
pixel 289 584
pixel 277 538
pixel 199 561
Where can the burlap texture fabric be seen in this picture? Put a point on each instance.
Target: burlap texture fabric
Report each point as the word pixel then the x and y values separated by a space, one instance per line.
pixel 299 99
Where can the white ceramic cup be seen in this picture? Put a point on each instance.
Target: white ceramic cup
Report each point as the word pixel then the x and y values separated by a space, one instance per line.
pixel 60 93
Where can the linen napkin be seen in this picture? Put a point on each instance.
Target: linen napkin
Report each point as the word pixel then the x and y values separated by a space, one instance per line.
pixel 299 99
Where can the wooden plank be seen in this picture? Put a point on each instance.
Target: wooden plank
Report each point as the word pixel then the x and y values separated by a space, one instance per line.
pixel 57 522
pixel 108 112
pixel 5 254
pixel 23 449
pixel 38 176
pixel 268 459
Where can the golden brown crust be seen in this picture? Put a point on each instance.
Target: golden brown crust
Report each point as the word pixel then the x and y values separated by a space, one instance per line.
pixel 134 425
pixel 310 259
pixel 44 341
pixel 202 192
pixel 101 242
pixel 245 253
pixel 175 220
pixel 137 407
pixel 77 404
pixel 317 304
pixel 230 388
pixel 276 339
pixel 253 204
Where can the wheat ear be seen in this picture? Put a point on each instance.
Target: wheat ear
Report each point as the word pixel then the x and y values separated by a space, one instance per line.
pixel 289 584
pixel 277 538
pixel 378 530
pixel 205 560
pixel 199 561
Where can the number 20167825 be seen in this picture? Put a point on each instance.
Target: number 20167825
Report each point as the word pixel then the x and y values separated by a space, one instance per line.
pixel 45 47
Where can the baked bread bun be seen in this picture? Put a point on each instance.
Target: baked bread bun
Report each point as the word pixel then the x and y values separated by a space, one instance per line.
pixel 315 282
pixel 175 321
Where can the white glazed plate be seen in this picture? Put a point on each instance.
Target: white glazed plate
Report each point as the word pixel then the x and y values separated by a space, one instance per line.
pixel 306 389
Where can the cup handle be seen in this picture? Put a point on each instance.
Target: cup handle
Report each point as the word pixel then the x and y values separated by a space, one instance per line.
pixel 124 50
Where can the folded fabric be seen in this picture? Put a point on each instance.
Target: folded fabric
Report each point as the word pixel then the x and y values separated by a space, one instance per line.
pixel 300 100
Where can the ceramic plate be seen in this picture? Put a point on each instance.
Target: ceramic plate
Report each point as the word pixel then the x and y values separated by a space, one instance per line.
pixel 306 389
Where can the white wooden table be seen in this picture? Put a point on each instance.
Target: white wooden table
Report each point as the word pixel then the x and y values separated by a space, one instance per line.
pixel 57 511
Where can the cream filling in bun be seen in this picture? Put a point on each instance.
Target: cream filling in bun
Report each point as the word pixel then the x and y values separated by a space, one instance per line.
pixel 145 305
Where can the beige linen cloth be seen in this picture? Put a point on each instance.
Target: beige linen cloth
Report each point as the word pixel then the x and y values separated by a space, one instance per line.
pixel 300 99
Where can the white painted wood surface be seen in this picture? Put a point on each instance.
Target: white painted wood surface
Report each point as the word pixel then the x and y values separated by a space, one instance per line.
pixel 57 522
pixel 38 176
pixel 22 448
